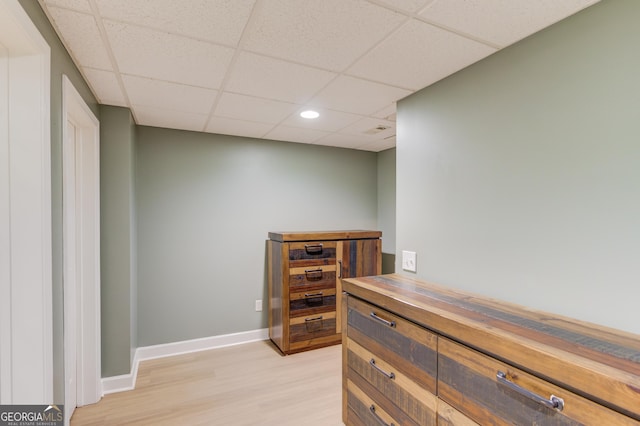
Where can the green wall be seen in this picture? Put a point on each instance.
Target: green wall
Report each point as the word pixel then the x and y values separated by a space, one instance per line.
pixel 387 207
pixel 255 187
pixel 117 245
pixel 205 204
pixel 386 187
pixel 61 64
pixel 518 176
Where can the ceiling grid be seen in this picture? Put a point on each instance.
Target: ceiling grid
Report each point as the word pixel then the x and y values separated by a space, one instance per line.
pixel 249 67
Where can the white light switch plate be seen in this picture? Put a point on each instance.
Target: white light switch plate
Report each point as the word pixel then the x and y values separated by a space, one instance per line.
pixel 409 261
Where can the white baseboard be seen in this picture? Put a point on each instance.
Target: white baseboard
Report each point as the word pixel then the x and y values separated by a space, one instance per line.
pixel 127 382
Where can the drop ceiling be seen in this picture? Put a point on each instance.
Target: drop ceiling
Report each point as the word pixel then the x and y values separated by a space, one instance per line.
pixel 249 67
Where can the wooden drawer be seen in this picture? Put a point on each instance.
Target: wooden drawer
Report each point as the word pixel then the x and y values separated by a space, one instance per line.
pixel 317 302
pixel 366 406
pixel 312 327
pixel 411 398
pixel 468 381
pixel 409 348
pixel 312 253
pixel 449 416
pixel 309 278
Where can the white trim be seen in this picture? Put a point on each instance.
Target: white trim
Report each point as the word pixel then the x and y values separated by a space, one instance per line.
pixel 81 176
pixel 6 378
pixel 70 275
pixel 26 333
pixel 127 382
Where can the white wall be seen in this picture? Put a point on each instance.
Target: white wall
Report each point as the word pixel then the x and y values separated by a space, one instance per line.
pixel 519 177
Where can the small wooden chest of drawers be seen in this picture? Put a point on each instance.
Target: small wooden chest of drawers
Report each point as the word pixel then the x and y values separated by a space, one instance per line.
pixel 304 273
pixel 420 354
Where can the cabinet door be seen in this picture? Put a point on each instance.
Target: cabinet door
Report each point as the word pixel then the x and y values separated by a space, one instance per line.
pixel 359 258
pixel 356 258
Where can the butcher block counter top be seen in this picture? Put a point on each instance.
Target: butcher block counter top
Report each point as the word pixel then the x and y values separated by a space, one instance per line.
pixel 599 363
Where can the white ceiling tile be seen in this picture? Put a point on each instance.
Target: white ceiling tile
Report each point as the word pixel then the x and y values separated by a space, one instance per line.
pixel 162 56
pixel 358 96
pixel 329 121
pixel 357 142
pixel 220 21
pixel 418 55
pixel 232 105
pixel 502 22
pixel 343 141
pixel 171 119
pixel 274 79
pixel 407 6
pixel 80 33
pixel 105 87
pixel 378 145
pixel 174 96
pixel 329 34
pixel 81 5
pixel 366 127
pixel 351 59
pixel 388 112
pixel 230 126
pixel 295 134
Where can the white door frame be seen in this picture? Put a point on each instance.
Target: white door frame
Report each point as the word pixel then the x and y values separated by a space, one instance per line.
pixel 26 318
pixel 71 270
pixel 81 242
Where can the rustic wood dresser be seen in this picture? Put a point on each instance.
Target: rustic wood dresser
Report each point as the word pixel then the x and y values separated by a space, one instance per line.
pixel 415 353
pixel 304 274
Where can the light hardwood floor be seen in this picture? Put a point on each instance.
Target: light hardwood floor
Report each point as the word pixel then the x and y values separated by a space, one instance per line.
pixel 248 384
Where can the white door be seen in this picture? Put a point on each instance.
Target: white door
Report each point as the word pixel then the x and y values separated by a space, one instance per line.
pixel 70 274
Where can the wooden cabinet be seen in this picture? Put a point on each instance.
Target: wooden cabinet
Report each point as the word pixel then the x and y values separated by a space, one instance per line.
pixel 419 354
pixel 305 270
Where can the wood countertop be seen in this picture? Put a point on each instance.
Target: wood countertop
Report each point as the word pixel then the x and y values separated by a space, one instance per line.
pixel 323 235
pixel 597 362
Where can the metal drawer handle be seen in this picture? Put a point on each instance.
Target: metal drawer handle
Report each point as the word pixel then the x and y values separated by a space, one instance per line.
pixel 313 274
pixel 391 324
pixel 377 417
pixel 308 295
pixel 553 402
pixel 374 365
pixel 313 319
pixel 313 248
pixel 339 268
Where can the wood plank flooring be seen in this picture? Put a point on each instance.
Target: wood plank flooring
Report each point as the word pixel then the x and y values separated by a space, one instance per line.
pixel 248 384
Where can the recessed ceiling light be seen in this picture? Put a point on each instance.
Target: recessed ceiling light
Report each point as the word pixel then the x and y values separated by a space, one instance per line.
pixel 309 114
